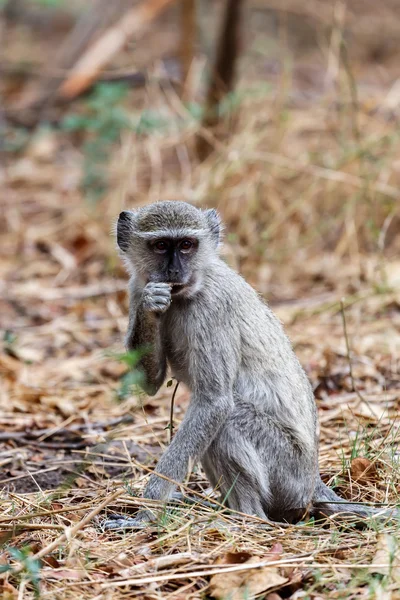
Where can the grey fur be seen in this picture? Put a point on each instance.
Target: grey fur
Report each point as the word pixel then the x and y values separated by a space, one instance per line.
pixel 252 419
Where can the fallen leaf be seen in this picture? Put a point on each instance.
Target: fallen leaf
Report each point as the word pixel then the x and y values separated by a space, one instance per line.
pixel 74 574
pixel 9 591
pixel 9 365
pixel 28 355
pixel 246 583
pixel 5 536
pixel 233 558
pixel 371 411
pixel 80 482
pixel 363 470
pixel 276 552
pixel 386 560
pixel 97 470
pixel 392 274
pixel 65 405
pixel 50 561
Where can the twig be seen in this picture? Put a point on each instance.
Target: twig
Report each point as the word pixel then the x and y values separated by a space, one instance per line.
pixel 353 383
pixel 208 571
pixel 32 290
pixel 19 527
pixel 31 436
pixel 70 532
pixel 43 513
pixel 171 413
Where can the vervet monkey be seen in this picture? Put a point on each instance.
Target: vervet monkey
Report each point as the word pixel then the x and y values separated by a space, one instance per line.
pixel 252 419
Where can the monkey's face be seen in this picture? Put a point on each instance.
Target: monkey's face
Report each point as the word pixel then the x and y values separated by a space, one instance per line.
pixel 170 242
pixel 173 260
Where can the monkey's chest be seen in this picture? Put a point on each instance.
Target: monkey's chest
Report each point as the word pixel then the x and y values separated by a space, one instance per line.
pixel 177 361
pixel 176 350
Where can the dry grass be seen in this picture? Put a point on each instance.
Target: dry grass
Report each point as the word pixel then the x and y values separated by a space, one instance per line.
pixel 308 187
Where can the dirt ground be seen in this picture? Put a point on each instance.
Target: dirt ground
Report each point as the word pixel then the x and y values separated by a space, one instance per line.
pixel 307 183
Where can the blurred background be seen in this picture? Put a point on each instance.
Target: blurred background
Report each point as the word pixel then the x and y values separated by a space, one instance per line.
pixel 103 104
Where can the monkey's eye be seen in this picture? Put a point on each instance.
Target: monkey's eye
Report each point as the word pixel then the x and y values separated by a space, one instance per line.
pixel 161 247
pixel 185 246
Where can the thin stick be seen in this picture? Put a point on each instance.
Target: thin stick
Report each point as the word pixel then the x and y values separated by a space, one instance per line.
pixel 208 571
pixel 43 513
pixel 171 413
pixel 346 337
pixel 70 532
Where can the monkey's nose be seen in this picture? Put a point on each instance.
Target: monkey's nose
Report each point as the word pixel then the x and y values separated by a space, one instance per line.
pixel 173 272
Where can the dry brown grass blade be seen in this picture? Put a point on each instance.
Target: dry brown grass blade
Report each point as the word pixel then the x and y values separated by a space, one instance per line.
pixel 325 173
pixel 205 572
pixel 70 533
pixel 112 41
pixel 32 290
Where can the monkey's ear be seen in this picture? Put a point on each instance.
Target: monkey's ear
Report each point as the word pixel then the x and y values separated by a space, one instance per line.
pixel 124 229
pixel 214 225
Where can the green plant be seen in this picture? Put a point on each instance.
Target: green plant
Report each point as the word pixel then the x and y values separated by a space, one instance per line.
pixel 133 379
pixel 102 121
pixel 30 567
pixel 13 139
pixel 168 518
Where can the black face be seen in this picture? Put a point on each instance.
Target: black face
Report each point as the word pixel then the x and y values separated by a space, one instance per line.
pixel 175 257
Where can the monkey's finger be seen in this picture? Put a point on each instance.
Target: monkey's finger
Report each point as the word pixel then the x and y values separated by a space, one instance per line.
pixel 151 298
pixel 158 287
pixel 120 522
pixel 158 306
pixel 160 294
pixel 161 298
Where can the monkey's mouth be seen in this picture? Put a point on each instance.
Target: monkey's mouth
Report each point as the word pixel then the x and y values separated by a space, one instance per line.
pixel 177 287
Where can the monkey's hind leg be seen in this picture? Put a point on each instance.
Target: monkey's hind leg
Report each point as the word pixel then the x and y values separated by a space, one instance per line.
pixel 234 468
pixel 238 489
pixel 257 469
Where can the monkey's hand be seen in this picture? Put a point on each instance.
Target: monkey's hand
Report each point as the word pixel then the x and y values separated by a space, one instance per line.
pixel 143 519
pixel 156 297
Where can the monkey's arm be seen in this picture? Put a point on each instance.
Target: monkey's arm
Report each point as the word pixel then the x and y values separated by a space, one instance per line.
pixel 213 364
pixel 145 307
pixel 202 421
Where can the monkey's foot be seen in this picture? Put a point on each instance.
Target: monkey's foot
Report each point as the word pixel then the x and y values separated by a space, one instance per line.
pixel 142 520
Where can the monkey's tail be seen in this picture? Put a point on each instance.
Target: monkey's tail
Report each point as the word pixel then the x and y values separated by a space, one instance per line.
pixel 326 503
